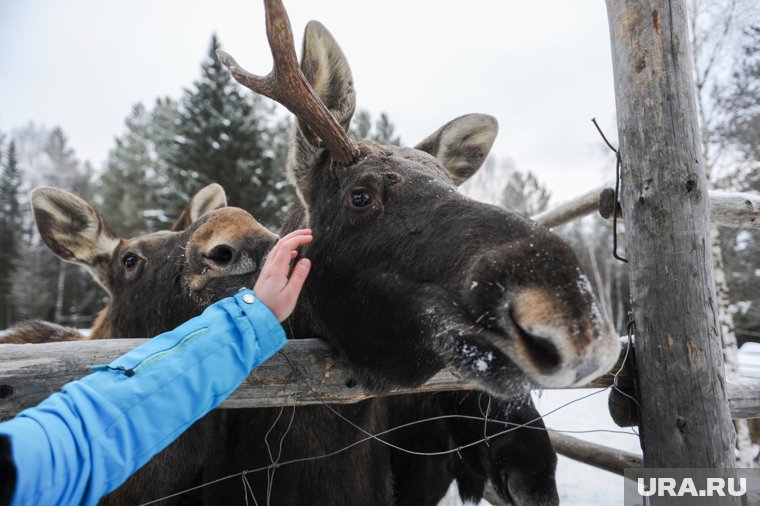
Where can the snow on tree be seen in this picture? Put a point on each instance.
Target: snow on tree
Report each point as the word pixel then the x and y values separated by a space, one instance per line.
pixel 132 189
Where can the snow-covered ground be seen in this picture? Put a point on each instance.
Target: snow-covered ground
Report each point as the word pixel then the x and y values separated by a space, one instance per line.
pixel 749 360
pixel 582 485
pixel 579 484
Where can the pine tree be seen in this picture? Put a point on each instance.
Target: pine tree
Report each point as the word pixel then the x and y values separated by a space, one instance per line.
pixel 74 289
pixel 162 133
pixel 384 132
pixel 225 136
pixel 132 187
pixel 10 231
pixel 524 193
pixel 361 125
pixel 123 186
pixel 43 286
pixel 63 169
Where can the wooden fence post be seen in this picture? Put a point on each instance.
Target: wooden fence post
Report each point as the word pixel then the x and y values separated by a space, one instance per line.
pixel 685 418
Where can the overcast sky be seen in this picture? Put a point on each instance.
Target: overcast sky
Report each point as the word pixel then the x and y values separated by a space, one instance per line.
pixel 542 68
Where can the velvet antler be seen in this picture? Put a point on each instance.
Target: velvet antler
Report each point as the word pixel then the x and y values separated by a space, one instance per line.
pixel 287 85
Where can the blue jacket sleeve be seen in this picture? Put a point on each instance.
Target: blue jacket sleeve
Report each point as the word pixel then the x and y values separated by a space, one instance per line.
pixel 83 442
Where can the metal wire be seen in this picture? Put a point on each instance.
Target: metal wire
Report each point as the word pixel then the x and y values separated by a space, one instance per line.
pixel 616 198
pixel 378 436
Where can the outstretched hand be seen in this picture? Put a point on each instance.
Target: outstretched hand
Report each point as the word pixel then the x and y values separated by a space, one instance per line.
pixel 273 287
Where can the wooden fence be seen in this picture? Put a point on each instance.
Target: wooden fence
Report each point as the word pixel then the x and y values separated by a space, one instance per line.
pixel 304 372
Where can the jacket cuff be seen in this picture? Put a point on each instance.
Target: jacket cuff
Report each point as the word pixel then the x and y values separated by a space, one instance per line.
pixel 267 330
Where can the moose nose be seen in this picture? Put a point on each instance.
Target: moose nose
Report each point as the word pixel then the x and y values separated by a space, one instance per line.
pixel 221 255
pixel 540 351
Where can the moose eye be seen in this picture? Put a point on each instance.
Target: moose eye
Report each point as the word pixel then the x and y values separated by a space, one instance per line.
pixel 129 261
pixel 360 198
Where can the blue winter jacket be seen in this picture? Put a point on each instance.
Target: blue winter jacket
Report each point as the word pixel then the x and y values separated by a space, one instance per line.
pixel 86 440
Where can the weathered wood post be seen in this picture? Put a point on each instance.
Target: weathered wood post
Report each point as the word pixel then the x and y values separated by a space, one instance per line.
pixel 685 418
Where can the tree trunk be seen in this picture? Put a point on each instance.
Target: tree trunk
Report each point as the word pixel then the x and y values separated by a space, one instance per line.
pixel 685 418
pixel 58 315
pixel 730 347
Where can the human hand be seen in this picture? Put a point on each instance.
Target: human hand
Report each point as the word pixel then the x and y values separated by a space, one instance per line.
pixel 273 287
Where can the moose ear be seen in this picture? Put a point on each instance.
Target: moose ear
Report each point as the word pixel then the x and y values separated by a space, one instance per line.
pixel 462 145
pixel 72 228
pixel 325 67
pixel 209 198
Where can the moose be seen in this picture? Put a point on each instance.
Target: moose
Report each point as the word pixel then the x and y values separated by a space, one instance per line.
pixel 409 276
pixel 474 286
pixel 157 280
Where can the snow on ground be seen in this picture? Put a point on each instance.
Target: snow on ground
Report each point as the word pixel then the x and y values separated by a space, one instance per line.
pixel 582 485
pixel 749 360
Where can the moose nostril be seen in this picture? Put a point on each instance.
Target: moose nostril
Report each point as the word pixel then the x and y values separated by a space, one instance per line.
pixel 221 254
pixel 543 352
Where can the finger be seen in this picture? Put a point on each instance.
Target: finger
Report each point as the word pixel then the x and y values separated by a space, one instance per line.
pixel 292 243
pixel 282 257
pixel 294 239
pixel 296 233
pixel 279 257
pixel 297 279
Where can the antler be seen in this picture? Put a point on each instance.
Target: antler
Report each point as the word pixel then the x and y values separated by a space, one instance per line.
pixel 287 85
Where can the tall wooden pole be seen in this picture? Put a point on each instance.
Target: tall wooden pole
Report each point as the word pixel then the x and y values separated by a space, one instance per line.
pixel 685 419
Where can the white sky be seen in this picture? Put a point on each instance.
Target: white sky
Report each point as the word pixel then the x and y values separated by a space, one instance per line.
pixel 542 68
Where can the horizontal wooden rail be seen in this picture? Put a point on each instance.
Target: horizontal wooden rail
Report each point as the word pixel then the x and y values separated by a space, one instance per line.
pixel 728 209
pixel 575 208
pixel 603 457
pixel 304 372
pixel 744 398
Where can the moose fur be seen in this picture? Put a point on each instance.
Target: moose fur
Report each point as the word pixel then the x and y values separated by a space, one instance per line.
pixel 519 462
pixel 36 331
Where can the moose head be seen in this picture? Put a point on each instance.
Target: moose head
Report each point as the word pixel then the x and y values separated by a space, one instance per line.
pixel 410 275
pixel 156 281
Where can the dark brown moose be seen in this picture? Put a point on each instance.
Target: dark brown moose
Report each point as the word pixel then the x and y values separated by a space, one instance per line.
pixel 410 275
